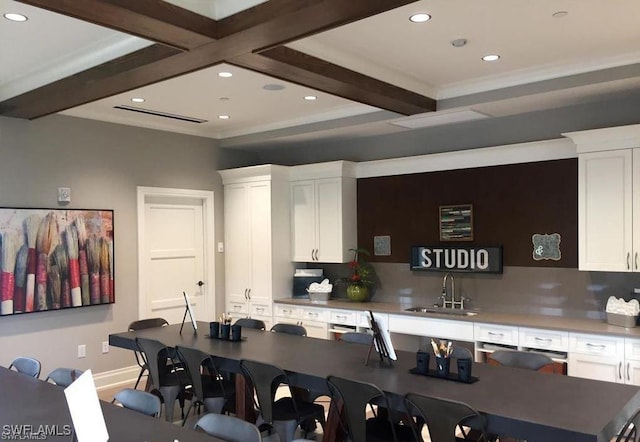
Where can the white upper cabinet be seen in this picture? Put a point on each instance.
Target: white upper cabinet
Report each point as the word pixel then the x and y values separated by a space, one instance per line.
pixel 323 212
pixel 608 198
pixel 258 268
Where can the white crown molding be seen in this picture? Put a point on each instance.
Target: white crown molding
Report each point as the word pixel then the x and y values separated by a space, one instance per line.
pixel 90 55
pixel 263 172
pixel 330 169
pixel 608 138
pixel 482 157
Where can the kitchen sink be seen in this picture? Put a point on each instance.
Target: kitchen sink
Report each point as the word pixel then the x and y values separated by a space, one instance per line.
pixel 443 311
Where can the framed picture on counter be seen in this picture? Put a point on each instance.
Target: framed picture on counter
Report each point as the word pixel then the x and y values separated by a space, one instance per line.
pixel 456 223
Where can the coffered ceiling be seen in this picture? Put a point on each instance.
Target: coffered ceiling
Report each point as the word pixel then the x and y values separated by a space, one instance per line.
pixel 370 69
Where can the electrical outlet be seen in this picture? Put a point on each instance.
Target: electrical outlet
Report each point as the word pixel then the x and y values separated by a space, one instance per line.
pixel 82 351
pixel 105 347
pixel 220 247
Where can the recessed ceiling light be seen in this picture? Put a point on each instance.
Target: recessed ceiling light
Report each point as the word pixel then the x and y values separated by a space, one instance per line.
pixel 491 57
pixel 420 18
pixel 310 97
pixel 225 74
pixel 15 17
pixel 223 117
pixel 137 100
pixel 559 14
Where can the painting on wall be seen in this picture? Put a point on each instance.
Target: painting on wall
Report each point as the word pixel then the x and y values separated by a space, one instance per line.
pixel 456 223
pixel 54 259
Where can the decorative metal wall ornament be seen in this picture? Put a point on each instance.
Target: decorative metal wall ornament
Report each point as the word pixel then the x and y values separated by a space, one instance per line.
pixel 382 245
pixel 546 246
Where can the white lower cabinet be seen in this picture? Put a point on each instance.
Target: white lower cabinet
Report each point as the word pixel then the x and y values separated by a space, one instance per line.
pixel 314 320
pixel 597 357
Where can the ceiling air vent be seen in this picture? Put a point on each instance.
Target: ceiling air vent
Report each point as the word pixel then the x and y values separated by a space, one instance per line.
pixel 160 114
pixel 438 118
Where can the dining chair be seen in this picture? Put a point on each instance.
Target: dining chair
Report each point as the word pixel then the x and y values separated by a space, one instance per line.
pixel 168 379
pixel 251 323
pixel 522 359
pixel 290 329
pixel 356 338
pixel 282 415
pixel 208 388
pixel 141 325
pixel 355 397
pixel 27 366
pixel 63 377
pixel 443 417
pixel 228 428
pixel 140 401
pixel 630 431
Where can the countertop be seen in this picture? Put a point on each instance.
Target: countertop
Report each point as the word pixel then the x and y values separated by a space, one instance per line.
pixel 577 325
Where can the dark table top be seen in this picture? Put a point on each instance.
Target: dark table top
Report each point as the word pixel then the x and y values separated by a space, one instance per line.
pixel 32 406
pixel 520 403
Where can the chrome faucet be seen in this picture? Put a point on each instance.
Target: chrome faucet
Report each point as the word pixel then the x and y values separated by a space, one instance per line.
pixel 451 302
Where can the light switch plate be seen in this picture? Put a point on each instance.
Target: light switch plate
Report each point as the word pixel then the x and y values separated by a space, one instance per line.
pixel 64 194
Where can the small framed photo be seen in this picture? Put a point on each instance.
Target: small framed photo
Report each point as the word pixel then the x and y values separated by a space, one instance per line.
pixel 456 223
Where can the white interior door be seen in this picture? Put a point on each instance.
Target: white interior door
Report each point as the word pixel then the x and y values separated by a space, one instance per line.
pixel 173 258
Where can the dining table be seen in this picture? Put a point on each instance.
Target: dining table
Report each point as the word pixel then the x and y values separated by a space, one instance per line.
pixel 32 409
pixel 518 403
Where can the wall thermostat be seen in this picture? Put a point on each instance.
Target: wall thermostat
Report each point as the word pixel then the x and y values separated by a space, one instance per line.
pixel 64 194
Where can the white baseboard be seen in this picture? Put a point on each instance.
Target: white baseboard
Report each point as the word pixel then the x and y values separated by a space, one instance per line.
pixel 116 378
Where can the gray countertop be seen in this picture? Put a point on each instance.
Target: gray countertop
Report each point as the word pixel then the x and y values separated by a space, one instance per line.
pixel 578 325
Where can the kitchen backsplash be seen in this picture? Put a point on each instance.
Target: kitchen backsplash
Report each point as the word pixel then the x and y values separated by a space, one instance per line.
pixel 526 290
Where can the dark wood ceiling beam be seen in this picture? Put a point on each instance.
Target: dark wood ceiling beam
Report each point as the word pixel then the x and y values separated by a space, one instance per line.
pixel 82 87
pixel 154 20
pixel 266 26
pixel 297 67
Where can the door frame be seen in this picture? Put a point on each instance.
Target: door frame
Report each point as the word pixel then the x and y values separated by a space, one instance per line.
pixel 208 224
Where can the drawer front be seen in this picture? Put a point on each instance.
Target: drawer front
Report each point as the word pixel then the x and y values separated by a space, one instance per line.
pixel 315 329
pixel 287 311
pixel 496 334
pixel 632 349
pixel 343 317
pixel 543 339
pixel 260 309
pixel 314 314
pixel 237 307
pixel 436 328
pixel 596 345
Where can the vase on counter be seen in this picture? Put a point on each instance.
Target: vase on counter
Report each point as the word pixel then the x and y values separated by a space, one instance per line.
pixel 358 292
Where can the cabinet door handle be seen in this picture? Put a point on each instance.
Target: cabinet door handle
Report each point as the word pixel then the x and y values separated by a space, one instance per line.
pixel 495 334
pixel 596 346
pixel 636 260
pixel 543 339
pixel 628 374
pixel 249 294
pixel 245 294
pixel 620 370
pixel 628 264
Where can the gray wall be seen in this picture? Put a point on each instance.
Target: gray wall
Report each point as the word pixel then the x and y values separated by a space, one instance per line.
pixel 103 164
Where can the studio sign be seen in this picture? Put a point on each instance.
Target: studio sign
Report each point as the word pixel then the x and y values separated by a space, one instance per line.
pixel 457 259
